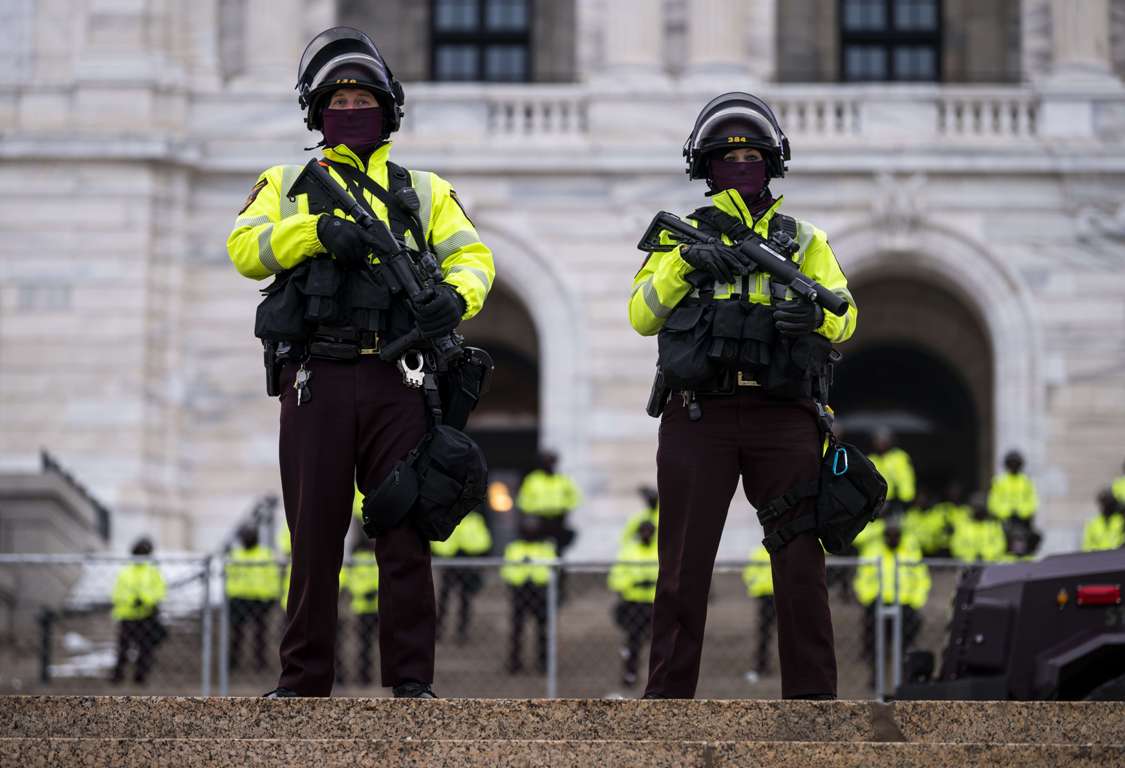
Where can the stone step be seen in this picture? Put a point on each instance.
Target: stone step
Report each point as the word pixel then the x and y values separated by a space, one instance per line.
pixel 509 753
pixel 571 720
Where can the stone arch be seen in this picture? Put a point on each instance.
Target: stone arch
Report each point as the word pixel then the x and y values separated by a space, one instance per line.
pixel 529 274
pixel 968 268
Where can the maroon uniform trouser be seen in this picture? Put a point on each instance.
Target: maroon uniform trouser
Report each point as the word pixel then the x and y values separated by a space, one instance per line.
pixel 359 421
pixel 772 445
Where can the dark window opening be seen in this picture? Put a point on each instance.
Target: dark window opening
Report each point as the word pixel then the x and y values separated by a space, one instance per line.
pixel 890 40
pixel 475 40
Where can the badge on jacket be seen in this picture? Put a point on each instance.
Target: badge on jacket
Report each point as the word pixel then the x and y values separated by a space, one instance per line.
pixel 252 196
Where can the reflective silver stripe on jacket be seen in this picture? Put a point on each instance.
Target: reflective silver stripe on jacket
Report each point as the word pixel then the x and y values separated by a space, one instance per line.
pixel 477 273
pixel 422 181
pixel 455 242
pixel 265 251
pixel 289 174
pixel 652 301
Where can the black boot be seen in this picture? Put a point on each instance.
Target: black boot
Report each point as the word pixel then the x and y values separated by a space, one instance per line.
pixel 280 693
pixel 412 689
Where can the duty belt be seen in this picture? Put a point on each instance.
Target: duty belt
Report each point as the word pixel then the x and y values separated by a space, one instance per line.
pixel 729 383
pixel 344 343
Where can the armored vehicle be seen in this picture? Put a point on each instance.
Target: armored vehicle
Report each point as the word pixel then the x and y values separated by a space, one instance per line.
pixel 1052 629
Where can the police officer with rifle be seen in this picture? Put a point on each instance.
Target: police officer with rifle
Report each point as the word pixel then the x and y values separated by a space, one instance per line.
pixel 747 304
pixel 375 266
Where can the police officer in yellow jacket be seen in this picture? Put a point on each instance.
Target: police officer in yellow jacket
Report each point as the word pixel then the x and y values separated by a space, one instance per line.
pixel 649 513
pixel 137 594
pixel 910 587
pixel 471 538
pixel 253 586
pixel 758 578
pixel 347 416
pixel 633 578
pixel 1107 529
pixel 979 537
pixel 360 578
pixel 755 418
pixel 1013 500
pixel 897 469
pixel 527 589
pixel 550 495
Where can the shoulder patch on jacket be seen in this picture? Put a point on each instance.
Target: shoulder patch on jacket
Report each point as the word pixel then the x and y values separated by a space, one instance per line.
pixel 453 194
pixel 252 196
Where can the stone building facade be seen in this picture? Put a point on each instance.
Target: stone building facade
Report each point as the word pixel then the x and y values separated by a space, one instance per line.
pixel 981 221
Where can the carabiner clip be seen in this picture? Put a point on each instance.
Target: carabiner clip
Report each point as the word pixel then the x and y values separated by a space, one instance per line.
pixel 840 451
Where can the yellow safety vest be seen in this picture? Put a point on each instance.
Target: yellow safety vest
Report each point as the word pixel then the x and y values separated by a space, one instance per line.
pixel 637 519
pixel 361 579
pixel 252 574
pixel 273 233
pixel 897 469
pixel 758 575
pixel 517 571
pixel 471 537
pixel 548 495
pixel 982 540
pixel 137 592
pixel 1104 533
pixel 634 574
pixel 662 282
pixel 913 577
pixel 1012 495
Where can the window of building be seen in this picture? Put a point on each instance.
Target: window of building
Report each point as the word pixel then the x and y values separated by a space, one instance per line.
pixel 885 40
pixel 486 40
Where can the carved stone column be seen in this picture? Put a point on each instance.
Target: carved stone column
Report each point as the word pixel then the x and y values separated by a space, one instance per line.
pixel 717 38
pixel 634 32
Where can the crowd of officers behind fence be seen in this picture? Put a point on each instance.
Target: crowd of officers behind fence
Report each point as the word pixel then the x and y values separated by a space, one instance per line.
pixel 994 526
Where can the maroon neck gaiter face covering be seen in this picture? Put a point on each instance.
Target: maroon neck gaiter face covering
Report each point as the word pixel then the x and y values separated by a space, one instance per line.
pixel 361 130
pixel 748 179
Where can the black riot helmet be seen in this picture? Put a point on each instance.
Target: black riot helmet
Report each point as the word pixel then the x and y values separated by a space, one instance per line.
pixel 736 120
pixel 344 57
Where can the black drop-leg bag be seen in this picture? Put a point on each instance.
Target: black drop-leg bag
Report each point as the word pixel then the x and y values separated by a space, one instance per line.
pixel 441 481
pixel 849 493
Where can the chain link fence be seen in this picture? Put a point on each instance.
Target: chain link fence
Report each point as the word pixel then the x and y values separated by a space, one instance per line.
pixel 567 636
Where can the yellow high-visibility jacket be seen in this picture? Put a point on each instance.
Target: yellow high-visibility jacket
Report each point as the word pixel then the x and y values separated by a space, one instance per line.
pixel 634 574
pixel 1012 495
pixel 1118 489
pixel 758 575
pixel 471 537
pixel 361 579
pixel 272 234
pixel 982 540
pixel 928 527
pixel 662 282
pixel 548 495
pixel 1104 533
pixel 634 522
pixel 897 469
pixel 137 592
pixel 517 571
pixel 252 574
pixel 913 577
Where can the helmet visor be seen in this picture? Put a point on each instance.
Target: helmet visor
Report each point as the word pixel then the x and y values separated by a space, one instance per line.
pixel 327 45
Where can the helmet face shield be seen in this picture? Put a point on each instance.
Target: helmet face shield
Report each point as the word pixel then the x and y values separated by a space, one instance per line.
pixel 346 50
pixel 736 120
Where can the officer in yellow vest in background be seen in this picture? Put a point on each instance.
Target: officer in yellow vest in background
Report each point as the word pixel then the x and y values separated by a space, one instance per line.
pixel 953 510
pixel 285 547
pixel 360 578
pixel 253 586
pixel 1107 530
pixel 633 578
pixel 550 495
pixel 1118 488
pixel 758 578
pixel 137 594
pixel 979 537
pixel 650 513
pixel 471 538
pixel 527 588
pixel 912 585
pixel 1013 500
pixel 925 523
pixel 896 468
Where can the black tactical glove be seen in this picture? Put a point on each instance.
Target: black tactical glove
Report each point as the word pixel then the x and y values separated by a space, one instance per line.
pixel 797 316
pixel 345 240
pixel 720 262
pixel 441 313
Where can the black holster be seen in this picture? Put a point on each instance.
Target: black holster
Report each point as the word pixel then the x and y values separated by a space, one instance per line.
pixel 273 368
pixel 658 397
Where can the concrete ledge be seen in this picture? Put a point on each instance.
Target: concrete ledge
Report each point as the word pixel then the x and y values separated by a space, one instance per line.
pixel 1054 723
pixel 348 753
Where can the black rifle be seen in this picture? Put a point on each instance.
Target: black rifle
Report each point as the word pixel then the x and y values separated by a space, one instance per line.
pixel 766 255
pixel 413 274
